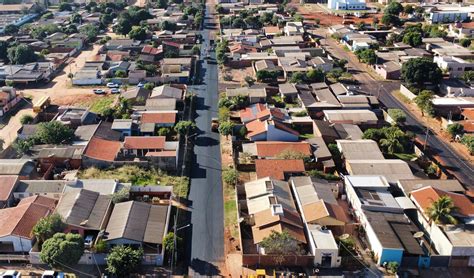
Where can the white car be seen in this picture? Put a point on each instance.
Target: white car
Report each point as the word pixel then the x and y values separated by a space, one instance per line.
pixel 112 85
pixel 115 91
pixel 11 274
pixel 52 274
pixel 99 92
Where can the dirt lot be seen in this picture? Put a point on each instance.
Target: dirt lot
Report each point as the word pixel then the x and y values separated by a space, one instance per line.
pixel 312 12
pixel 238 75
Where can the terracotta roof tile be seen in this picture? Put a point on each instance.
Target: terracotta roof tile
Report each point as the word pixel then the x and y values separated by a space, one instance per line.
pixel 266 222
pixel 159 118
pixel 144 142
pixel 276 168
pixel 255 127
pixel 427 195
pixel 274 148
pixel 7 184
pixel 103 149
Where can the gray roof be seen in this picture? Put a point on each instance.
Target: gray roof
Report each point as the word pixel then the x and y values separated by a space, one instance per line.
pixel 85 132
pixel 166 91
pixel 20 167
pixel 102 186
pixel 138 221
pixel 135 93
pixel 446 185
pixel 40 186
pixel 160 104
pixel 122 124
pixel 84 208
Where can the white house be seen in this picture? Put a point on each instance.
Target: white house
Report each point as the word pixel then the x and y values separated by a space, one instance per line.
pixel 454 66
pixel 347 4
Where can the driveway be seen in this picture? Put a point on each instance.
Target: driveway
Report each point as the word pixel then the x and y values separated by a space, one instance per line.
pixel 206 193
pixel 462 169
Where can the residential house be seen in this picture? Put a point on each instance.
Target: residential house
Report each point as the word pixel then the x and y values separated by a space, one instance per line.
pixel 139 224
pixel 75 116
pixel 137 95
pixel 359 149
pixel 262 112
pixel 48 188
pixel 409 185
pixel 255 95
pixel 279 168
pixel 159 118
pixel 453 66
pixel 8 99
pixel 176 70
pixel 66 157
pixel 167 91
pixel 151 54
pixel 8 185
pixel 155 149
pixel 392 169
pixel 360 117
pixel 273 149
pixel 288 91
pixel 347 4
pixel 294 28
pixel 86 77
pixel 23 168
pixel 389 70
pixel 124 126
pixel 84 211
pixel 16 223
pixel 270 130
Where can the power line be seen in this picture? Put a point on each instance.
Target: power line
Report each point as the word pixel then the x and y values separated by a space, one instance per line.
pixel 87 274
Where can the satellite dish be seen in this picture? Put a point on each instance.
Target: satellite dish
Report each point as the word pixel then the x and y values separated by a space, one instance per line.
pixel 344 236
pixel 418 235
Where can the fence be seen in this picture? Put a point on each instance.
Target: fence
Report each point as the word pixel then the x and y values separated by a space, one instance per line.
pixel 406 92
pixel 273 260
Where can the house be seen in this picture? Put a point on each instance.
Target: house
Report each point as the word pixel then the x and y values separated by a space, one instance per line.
pixel 137 95
pixel 294 28
pixel 122 44
pixel 456 240
pixel 66 157
pixel 322 63
pixel 273 149
pixel 454 66
pixel 279 168
pixel 331 132
pixel 84 210
pixel 87 77
pixel 357 117
pixel 151 54
pixel 124 126
pixel 270 130
pixel 176 70
pixel 8 185
pixel 139 224
pixel 16 223
pixel 167 91
pixel 23 168
pixel 262 112
pixel 389 70
pixel 359 149
pixel 288 91
pixel 48 188
pixel 101 152
pixel 347 4
pixel 409 185
pixel 388 230
pixel 392 169
pixel 255 95
pixel 159 118
pixel 161 104
pixel 75 116
pixel 140 145
pixel 292 65
pixel 8 99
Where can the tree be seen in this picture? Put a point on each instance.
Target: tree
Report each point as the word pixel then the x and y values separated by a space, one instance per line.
pixel 121 196
pixel 455 129
pixel 47 226
pixel 75 18
pixel 225 128
pixel 21 54
pixel 230 176
pixel 123 26
pixel 408 9
pixel 26 119
pixel 297 77
pixel 249 80
pixel 149 86
pixel 64 6
pixel 468 141
pixel 412 38
pixel 184 127
pixel 423 101
pixel 394 8
pixel 168 242
pixel 391 142
pixel 397 115
pixel 420 70
pixel 11 29
pixel 440 211
pixel 22 146
pixel 468 76
pixel 464 42
pixel 167 25
pixel 138 33
pixel 53 132
pixel 120 74
pixel 315 75
pixel 124 260
pixel 91 31
pixel 266 76
pixel 106 19
pixel 367 56
pixel 280 245
pixel 196 49
pixel 390 19
pixel 62 249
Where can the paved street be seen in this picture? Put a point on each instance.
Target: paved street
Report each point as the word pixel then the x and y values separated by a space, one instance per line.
pixel 462 169
pixel 206 195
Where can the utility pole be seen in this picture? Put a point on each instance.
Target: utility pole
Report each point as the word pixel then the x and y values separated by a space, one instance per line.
pixel 426 139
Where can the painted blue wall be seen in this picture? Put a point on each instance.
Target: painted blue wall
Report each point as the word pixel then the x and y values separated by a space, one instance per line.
pixel 391 255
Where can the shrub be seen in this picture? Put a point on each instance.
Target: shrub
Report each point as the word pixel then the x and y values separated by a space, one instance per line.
pixel 26 119
pixel 230 176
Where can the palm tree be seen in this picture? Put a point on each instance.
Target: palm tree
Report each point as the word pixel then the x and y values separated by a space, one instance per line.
pixel 440 211
pixel 392 141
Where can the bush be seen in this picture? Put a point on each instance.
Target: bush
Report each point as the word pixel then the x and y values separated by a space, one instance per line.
pixel 465 42
pixel 468 141
pixel 455 129
pixel 249 80
pixel 26 119
pixel 62 249
pixel 230 176
pixel 397 115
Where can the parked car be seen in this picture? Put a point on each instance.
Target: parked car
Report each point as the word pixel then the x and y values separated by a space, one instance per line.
pixel 140 85
pixel 88 241
pixel 52 274
pixel 11 274
pixel 112 85
pixel 115 91
pixel 99 92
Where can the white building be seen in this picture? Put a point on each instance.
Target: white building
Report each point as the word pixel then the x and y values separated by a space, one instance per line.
pixel 454 66
pixel 347 4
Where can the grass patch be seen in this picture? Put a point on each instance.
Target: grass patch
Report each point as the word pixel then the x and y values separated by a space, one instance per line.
pixel 139 176
pixel 230 210
pixel 346 48
pixel 405 156
pixel 402 97
pixel 307 135
pixel 102 104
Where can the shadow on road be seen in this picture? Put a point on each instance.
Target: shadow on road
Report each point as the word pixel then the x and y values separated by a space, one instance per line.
pixel 204 268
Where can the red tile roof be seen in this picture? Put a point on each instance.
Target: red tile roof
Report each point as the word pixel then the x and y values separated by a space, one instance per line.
pixel 102 149
pixel 7 184
pixel 148 49
pixel 274 148
pixel 159 118
pixel 427 195
pixel 250 113
pixel 144 142
pixel 20 220
pixel 255 127
pixel 162 154
pixel 276 168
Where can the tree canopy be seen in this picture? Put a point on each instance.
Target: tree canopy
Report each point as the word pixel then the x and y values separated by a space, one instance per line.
pixel 53 132
pixel 441 211
pixel 280 244
pixel 62 249
pixel 423 101
pixel 412 38
pixel 421 70
pixel 47 226
pixel 123 260
pixel 367 56
pixel 21 54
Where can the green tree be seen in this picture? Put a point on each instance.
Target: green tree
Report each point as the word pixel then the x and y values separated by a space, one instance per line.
pixel 184 127
pixel 315 75
pixel 22 146
pixel 420 70
pixel 393 8
pixel 465 42
pixel 391 142
pixel 440 211
pixel 75 18
pixel 123 26
pixel 225 128
pixel 11 29
pixel 149 86
pixel 412 38
pixel 423 101
pixel 280 245
pixel 397 115
pixel 266 76
pixel 47 226
pixel 163 131
pixel 138 33
pixel 62 249
pixel 367 56
pixel 124 260
pixel 249 80
pixel 230 176
pixel 468 76
pixel 196 49
pixel 122 195
pixel 390 19
pixel 455 129
pixel 468 141
pixel 53 132
pixel 120 74
pixel 64 6
pixel 90 30
pixel 408 9
pixel 21 54
pixel 168 242
pixel 297 78
pixel 26 119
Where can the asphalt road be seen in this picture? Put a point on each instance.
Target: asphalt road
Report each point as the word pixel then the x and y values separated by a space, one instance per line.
pixel 461 169
pixel 206 193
